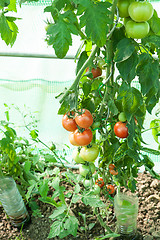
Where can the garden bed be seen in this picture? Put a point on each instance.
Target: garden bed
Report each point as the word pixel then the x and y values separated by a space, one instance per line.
pixel 148 191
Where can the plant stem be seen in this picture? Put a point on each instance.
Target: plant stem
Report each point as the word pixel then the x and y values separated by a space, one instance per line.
pixel 149 129
pixel 78 77
pixel 101 221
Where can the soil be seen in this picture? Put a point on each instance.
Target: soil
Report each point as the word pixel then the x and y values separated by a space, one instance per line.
pixel 148 221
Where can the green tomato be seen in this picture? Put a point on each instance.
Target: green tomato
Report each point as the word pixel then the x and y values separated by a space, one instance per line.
pixel 76 156
pixel 137 30
pixel 89 154
pixel 85 170
pixel 122 117
pixel 101 63
pixel 88 183
pixel 96 190
pixel 140 11
pixel 123 7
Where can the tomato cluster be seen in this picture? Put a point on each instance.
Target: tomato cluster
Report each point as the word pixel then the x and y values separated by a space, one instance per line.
pixel 136 14
pixel 78 124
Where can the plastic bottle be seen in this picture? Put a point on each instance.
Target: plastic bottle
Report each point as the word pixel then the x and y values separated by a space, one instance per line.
pixel 126 211
pixel 12 202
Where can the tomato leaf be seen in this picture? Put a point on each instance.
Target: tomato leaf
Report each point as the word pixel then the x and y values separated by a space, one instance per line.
pixel 96 25
pixel 59 33
pixel 83 57
pixel 125 49
pixel 87 88
pixel 148 72
pixel 154 23
pixel 112 107
pixel 127 68
pixel 71 225
pixel 121 152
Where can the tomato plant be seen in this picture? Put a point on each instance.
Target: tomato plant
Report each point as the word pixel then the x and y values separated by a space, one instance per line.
pixel 83 138
pixel 68 122
pixel 96 72
pixel 110 189
pixel 137 30
pixel 87 170
pixel 140 11
pixel 84 118
pixel 121 130
pixel 89 153
pixel 100 182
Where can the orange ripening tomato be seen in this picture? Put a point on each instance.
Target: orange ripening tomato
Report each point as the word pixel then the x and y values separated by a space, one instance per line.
pixel 96 72
pixel 100 182
pixel 83 138
pixel 68 122
pixel 110 189
pixel 71 139
pixel 113 172
pixel 85 119
pixel 111 166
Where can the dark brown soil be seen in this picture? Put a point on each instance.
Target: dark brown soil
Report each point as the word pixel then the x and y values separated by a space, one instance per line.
pixel 148 191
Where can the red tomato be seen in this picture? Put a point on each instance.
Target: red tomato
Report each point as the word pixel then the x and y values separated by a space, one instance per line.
pixel 85 119
pixel 110 189
pixel 96 72
pixel 113 172
pixel 121 130
pixel 100 182
pixel 111 166
pixel 83 138
pixel 68 122
pixel 71 139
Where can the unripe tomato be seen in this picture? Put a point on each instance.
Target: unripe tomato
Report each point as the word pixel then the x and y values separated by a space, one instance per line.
pixel 85 119
pixel 89 154
pixel 137 30
pixel 140 11
pixel 121 130
pixel 76 157
pixel 83 138
pixel 68 122
pixel 85 170
pixel 123 7
pixel 110 189
pixel 100 182
pixel 88 183
pixel 122 117
pixel 96 72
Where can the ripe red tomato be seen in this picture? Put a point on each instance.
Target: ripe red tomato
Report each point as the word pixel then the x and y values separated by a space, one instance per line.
pixel 96 72
pixel 111 166
pixel 85 119
pixel 71 139
pixel 100 182
pixel 68 122
pixel 121 130
pixel 140 11
pixel 83 138
pixel 110 189
pixel 113 172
